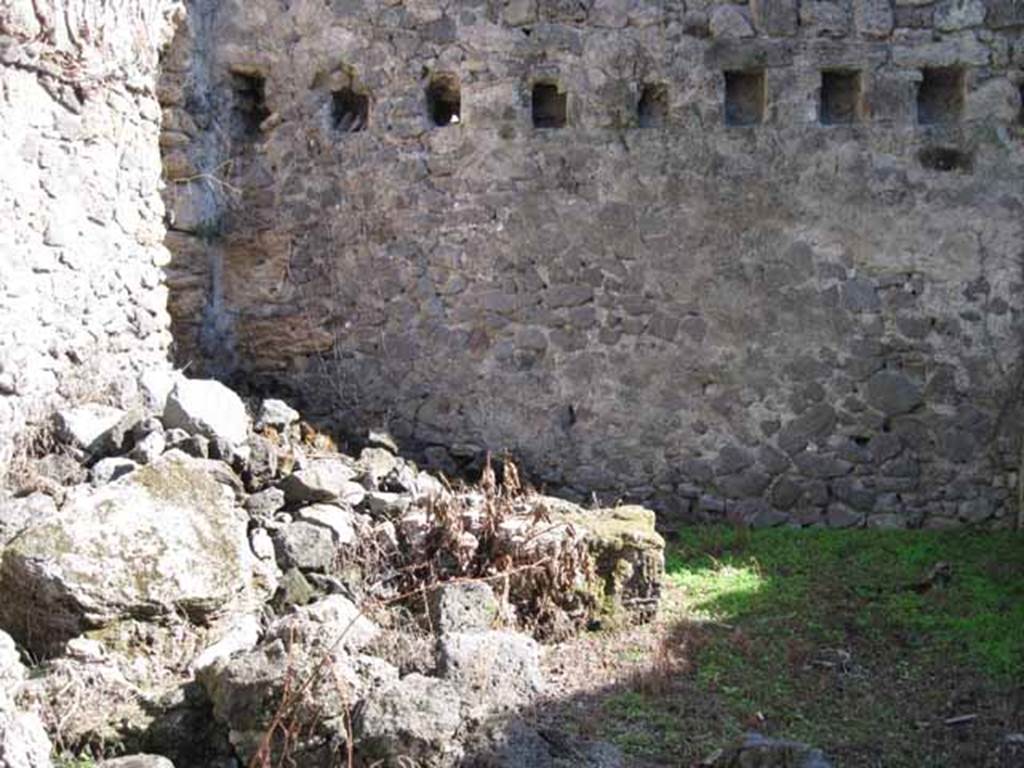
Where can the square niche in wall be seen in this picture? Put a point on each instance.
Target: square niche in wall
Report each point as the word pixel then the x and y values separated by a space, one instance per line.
pixel 652 108
pixel 841 98
pixel 549 106
pixel 444 100
pixel 940 95
pixel 350 110
pixel 250 103
pixel 745 97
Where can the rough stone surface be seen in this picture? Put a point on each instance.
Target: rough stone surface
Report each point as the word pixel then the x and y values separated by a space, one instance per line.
pixel 17 514
pixel 207 408
pixel 415 718
pixel 277 414
pixel 620 301
pixel 321 480
pixel 164 540
pixel 757 751
pixel 111 468
pixel 84 303
pixel 23 741
pixel 89 426
pixel 138 761
pixel 340 521
pixel 461 607
pixel 305 546
pixel 334 621
pixel 493 670
pixel 246 688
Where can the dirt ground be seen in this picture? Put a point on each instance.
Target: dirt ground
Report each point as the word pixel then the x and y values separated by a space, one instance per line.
pixel 881 648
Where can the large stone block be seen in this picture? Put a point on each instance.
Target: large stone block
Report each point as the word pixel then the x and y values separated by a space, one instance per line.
pixel 166 540
pixel 775 18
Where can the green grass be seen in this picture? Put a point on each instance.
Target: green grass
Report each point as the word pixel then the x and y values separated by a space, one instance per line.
pixel 836 582
pixel 840 639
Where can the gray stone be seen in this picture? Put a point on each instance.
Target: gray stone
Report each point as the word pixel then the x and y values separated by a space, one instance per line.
pixel 109 469
pixel 975 510
pixel 262 506
pixel 893 393
pixel 155 384
pixel 276 414
pixel 841 516
pixel 887 521
pixel 816 423
pixel 162 541
pixel 138 761
pixel 148 449
pixel 341 521
pixel 859 295
pixel 91 427
pixel 492 670
pixel 512 743
pixel 23 741
pixel 387 505
pixel 242 635
pixel 415 718
pixel 17 514
pixel 207 408
pixel 873 18
pixel 775 18
pixel 953 15
pixel 728 21
pixel 304 546
pixel 462 607
pixel 320 480
pixel 757 751
pixel 12 671
pixel 331 622
pixel 241 686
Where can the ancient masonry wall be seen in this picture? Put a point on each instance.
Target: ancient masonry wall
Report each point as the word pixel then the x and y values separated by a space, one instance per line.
pixel 748 260
pixel 82 300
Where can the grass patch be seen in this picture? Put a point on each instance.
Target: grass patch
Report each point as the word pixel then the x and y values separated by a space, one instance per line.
pixel 864 643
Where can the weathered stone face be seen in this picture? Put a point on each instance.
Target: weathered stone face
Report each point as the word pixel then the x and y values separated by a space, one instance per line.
pixel 621 306
pixel 82 300
pixel 164 540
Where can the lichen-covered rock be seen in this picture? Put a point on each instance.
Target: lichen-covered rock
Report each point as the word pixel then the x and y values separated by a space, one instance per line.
pixel 629 555
pixel 247 692
pixel 164 540
pixel 334 621
pixel 16 514
pixel 492 670
pixel 321 480
pixel 207 408
pixel 305 546
pixel 415 718
pixel 462 606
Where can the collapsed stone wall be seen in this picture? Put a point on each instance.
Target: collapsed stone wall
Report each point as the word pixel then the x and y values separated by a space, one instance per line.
pixel 758 260
pixel 82 300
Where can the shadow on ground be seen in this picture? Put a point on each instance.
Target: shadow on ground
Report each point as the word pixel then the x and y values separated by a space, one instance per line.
pixel 882 648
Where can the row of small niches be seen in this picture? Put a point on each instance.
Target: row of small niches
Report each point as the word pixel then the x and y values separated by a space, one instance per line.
pixel 940 99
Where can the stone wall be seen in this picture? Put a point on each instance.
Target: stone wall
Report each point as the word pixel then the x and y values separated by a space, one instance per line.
pixel 82 301
pixel 769 268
